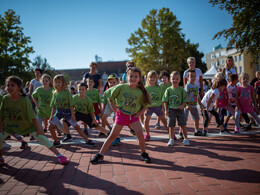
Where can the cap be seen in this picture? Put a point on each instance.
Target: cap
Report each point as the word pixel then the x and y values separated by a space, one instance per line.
pixel 112 76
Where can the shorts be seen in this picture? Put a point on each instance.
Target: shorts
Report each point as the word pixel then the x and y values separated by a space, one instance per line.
pixel 233 106
pixel 86 118
pixel 123 119
pixel 176 114
pixel 193 112
pixel 108 110
pixel 156 110
pixel 62 113
pixel 97 110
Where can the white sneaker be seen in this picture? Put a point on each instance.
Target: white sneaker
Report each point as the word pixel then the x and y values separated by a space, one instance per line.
pixel 142 125
pixel 186 142
pixel 170 142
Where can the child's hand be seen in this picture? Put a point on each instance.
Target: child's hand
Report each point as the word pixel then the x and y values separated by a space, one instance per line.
pixel 188 107
pixel 137 114
pixel 180 107
pixel 94 122
pixel 167 113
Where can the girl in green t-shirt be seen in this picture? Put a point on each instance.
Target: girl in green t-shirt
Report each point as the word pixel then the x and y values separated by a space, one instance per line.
pixel 17 117
pixel 156 107
pixel 131 99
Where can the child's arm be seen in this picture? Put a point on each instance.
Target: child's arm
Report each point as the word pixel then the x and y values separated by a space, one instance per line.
pixel 101 109
pixel 210 101
pixel 227 96
pixel 93 118
pixel 73 118
pixel 141 112
pixel 166 108
pixel 236 101
pixel 39 131
pixel 36 103
pixel 53 110
pixel 199 101
pixel 182 105
pixel 113 106
pixel 104 106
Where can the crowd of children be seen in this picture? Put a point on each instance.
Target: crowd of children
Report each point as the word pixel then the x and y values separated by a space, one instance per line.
pixel 57 108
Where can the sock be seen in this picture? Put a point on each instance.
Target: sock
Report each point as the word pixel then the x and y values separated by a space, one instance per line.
pixel 59 155
pixel 101 154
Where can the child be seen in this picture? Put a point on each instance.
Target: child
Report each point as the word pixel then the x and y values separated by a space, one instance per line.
pixel 17 117
pixel 231 88
pixel 164 77
pixel 112 81
pixel 95 97
pixel 230 67
pixel 156 107
pixel 42 99
pixel 193 94
pixel 244 96
pixel 208 104
pixel 175 98
pixel 62 101
pixel 84 111
pixel 132 99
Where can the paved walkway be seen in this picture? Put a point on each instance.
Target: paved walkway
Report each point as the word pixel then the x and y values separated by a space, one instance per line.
pixel 226 164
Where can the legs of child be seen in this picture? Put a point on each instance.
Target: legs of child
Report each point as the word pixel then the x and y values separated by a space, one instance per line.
pixel 164 121
pixel 184 132
pixel 147 119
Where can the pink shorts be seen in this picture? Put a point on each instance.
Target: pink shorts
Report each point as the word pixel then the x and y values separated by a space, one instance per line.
pixel 123 119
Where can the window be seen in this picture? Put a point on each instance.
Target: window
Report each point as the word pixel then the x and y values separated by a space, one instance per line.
pixel 240 69
pixel 212 56
pixel 240 57
pixel 217 55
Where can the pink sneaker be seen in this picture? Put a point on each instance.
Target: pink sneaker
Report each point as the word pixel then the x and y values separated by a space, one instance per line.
pixel 62 160
pixel 236 130
pixel 147 137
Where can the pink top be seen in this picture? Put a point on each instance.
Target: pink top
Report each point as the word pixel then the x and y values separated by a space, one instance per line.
pixel 245 99
pixel 222 100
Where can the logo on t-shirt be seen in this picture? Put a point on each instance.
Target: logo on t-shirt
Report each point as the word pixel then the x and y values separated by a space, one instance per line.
pixel 13 114
pixel 129 100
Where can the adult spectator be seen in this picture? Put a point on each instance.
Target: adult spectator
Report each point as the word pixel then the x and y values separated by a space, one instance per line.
pixel 257 78
pixel 128 65
pixel 93 73
pixel 199 80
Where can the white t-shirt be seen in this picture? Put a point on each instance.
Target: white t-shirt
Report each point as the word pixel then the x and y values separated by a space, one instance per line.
pixel 229 72
pixel 232 94
pixel 206 97
pixel 198 74
pixel 35 84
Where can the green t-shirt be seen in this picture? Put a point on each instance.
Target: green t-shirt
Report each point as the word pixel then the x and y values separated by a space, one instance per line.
pixel 175 97
pixel 44 101
pixel 107 95
pixel 17 115
pixel 94 96
pixel 156 95
pixel 62 100
pixel 129 101
pixel 84 105
pixel 164 87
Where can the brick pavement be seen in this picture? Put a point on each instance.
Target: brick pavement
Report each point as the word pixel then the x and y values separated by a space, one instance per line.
pixel 227 164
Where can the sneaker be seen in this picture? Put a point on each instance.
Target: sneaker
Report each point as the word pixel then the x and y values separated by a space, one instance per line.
pixel 56 144
pixel 147 137
pixel 186 142
pixel 97 159
pixel 198 133
pixel 237 130
pixel 248 127
pixel 2 160
pixel 62 160
pixel 132 131
pixel 24 145
pixel 157 126
pixel 145 157
pixel 86 131
pixel 142 125
pixel 204 133
pixel 180 135
pixel 67 138
pixel 170 142
pixel 90 143
pixel 118 140
pixel 224 131
pixel 225 125
pixel 101 135
pixel 32 138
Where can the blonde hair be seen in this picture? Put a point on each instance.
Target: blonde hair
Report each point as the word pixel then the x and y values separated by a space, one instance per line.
pixel 243 74
pixel 219 76
pixel 46 76
pixel 150 74
pixel 226 65
pixel 190 58
pixel 62 79
pixel 130 63
pixel 174 73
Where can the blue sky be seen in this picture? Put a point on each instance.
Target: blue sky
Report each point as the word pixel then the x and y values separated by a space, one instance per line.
pixel 70 33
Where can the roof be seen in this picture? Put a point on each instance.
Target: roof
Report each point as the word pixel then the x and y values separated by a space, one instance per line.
pixel 210 73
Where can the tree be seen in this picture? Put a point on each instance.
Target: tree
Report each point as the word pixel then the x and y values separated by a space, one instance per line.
pixel 14 48
pixel 42 63
pixel 245 30
pixel 160 45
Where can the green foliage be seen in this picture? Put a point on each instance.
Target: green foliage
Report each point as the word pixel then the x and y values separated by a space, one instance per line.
pixel 160 45
pixel 42 63
pixel 245 30
pixel 14 49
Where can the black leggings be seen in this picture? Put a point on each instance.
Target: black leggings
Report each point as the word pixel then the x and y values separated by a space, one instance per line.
pixel 206 117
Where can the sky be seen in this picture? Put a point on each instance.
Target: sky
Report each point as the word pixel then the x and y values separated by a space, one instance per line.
pixel 69 33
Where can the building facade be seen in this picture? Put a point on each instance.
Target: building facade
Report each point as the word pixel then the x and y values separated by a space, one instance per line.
pixel 242 61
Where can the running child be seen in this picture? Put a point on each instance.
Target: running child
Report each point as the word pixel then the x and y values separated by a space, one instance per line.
pixel 245 95
pixel 62 108
pixel 208 102
pixel 156 103
pixel 194 98
pixel 17 117
pixel 175 99
pixel 132 100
